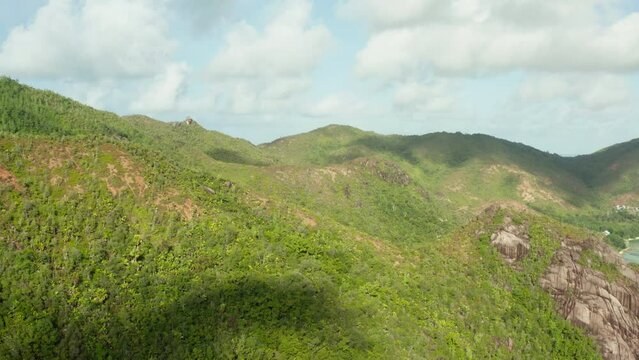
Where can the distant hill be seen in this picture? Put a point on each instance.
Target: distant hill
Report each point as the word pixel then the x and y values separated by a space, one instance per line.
pixel 603 176
pixel 127 237
pixel 31 111
pixel 612 170
pixel 451 158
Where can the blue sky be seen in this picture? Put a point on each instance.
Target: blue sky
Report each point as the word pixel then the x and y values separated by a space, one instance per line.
pixel 562 76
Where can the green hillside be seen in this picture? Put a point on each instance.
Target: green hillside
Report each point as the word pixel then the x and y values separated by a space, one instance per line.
pixel 126 237
pixel 464 172
pixel 29 111
pixel 612 170
pixel 432 152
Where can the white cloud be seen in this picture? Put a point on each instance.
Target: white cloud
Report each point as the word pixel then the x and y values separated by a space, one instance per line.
pixel 590 92
pixel 263 70
pixel 288 46
pixel 165 90
pixel 96 95
pixel 467 37
pixel 383 13
pixel 257 96
pixel 337 105
pixel 89 39
pixel 436 96
pixel 203 13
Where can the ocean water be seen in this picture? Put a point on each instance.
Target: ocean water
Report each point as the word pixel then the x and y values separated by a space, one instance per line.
pixel 632 254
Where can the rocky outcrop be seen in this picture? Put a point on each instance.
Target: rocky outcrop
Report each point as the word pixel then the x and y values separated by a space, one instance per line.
pixel 512 241
pixel 385 170
pixel 188 121
pixel 511 246
pixel 591 285
pixel 608 310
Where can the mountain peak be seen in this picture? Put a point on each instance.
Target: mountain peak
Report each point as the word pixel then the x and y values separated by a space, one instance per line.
pixel 336 130
pixel 188 122
pixel 337 127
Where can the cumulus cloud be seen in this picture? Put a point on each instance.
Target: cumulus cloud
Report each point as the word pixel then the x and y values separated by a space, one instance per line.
pixel 264 69
pixel 203 13
pixel 416 97
pixel 288 46
pixel 382 13
pixel 337 105
pixel 258 95
pixel 468 37
pixel 595 93
pixel 89 39
pixel 164 91
pixel 97 94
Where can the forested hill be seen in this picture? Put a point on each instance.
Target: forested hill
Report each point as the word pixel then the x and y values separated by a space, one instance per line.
pixel 126 237
pixel 602 176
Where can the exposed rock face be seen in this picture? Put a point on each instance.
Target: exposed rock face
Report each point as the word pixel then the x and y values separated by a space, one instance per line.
pixel 511 240
pixel 511 246
pixel 387 171
pixel 607 310
pixel 186 122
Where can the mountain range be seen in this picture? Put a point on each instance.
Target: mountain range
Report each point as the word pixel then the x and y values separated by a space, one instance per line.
pixel 124 236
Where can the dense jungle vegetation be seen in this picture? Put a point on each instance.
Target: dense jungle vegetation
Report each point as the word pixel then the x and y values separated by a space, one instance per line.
pixel 125 237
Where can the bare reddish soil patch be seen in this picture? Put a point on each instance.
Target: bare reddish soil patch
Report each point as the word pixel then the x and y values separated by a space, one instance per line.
pixel 173 201
pixel 306 219
pixel 123 175
pixel 8 178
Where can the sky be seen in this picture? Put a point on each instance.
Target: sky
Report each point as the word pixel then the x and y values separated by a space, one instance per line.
pixel 562 75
